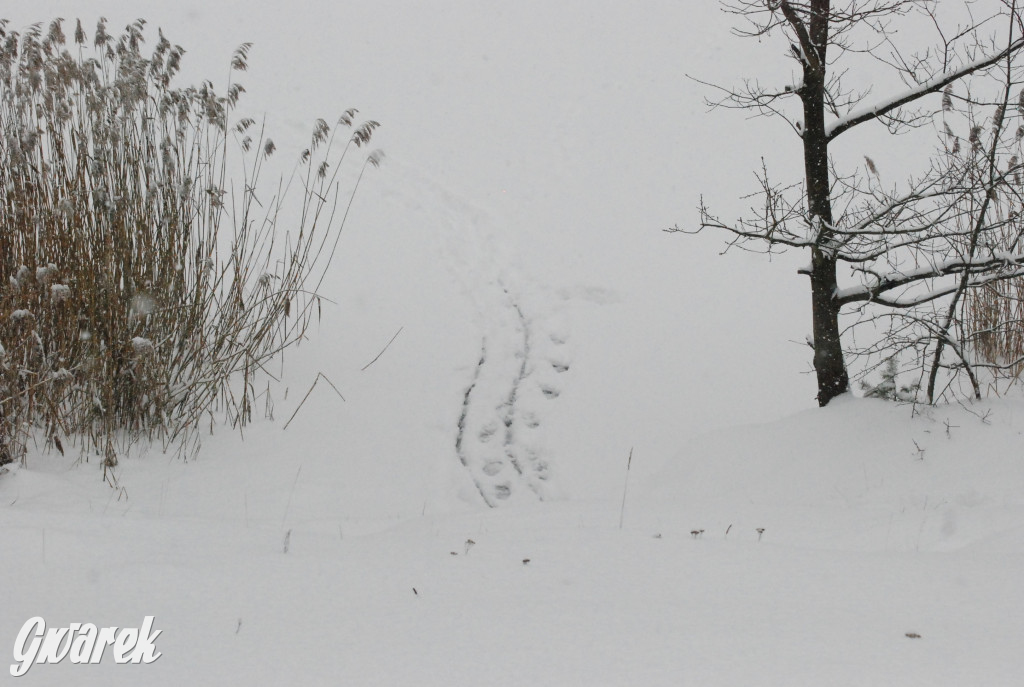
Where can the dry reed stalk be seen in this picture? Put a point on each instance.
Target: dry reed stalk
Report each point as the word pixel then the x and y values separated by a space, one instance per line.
pixel 140 291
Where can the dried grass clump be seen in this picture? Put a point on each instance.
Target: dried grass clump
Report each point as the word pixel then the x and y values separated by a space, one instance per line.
pixel 140 291
pixel 995 317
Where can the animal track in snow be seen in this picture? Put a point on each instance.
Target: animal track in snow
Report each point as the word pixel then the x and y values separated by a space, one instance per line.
pixel 517 377
pixel 488 432
pixel 499 438
pixel 493 409
pixel 501 419
pixel 500 423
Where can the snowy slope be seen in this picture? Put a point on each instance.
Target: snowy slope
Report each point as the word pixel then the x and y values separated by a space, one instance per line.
pixel 859 548
pixel 541 328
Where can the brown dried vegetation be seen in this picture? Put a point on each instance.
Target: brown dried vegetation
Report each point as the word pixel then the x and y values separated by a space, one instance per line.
pixel 141 291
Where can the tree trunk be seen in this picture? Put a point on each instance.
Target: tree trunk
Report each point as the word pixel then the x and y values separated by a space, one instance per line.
pixel 829 365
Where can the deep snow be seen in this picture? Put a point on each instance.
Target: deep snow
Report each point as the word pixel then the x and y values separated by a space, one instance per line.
pixel 546 329
pixel 859 548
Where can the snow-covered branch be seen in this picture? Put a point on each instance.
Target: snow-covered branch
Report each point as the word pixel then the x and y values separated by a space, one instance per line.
pixel 995 267
pixel 933 85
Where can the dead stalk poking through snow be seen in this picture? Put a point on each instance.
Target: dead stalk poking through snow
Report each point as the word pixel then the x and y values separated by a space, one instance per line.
pixel 625 487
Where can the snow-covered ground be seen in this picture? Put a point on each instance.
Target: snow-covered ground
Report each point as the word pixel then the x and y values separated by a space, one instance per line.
pixel 546 330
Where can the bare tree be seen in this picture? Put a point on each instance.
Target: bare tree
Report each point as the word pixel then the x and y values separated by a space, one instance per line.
pixel 911 252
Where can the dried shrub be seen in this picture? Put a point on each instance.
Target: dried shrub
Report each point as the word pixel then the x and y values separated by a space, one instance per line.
pixel 140 289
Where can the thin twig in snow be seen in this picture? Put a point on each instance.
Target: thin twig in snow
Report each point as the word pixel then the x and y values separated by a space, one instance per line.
pixel 311 387
pixel 625 488
pixel 383 349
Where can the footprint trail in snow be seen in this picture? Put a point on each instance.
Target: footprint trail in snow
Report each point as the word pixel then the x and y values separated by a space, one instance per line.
pixel 521 364
pixel 499 429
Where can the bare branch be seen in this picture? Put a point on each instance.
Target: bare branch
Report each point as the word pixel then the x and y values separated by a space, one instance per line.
pixel 933 85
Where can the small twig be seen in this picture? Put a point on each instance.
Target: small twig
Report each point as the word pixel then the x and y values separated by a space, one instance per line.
pixel 332 386
pixel 920 451
pixel 311 387
pixel 625 488
pixel 984 417
pixel 383 349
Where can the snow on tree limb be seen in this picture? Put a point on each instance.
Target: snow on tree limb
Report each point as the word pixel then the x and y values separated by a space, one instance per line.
pixel 808 54
pixel 933 85
pixel 922 252
pixel 1014 264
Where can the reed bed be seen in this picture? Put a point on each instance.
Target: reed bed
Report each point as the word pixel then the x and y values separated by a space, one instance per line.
pixel 142 289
